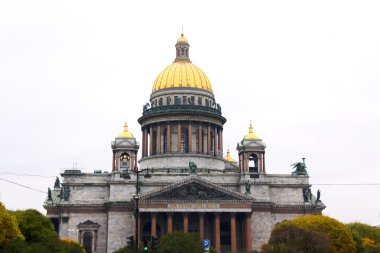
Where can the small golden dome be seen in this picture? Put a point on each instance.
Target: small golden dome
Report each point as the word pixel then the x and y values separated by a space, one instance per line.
pixel 182 39
pixel 251 135
pixel 182 74
pixel 228 157
pixel 125 133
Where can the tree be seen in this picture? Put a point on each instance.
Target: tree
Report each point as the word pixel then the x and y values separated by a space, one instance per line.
pixel 39 232
pixel 367 237
pixel 338 236
pixel 9 230
pixel 179 242
pixel 288 238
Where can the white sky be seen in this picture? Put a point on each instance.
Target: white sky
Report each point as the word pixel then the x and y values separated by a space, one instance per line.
pixel 305 72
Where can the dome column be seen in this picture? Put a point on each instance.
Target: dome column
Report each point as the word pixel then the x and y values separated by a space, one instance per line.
pixel 215 141
pixel 200 144
pixel 221 140
pixel 151 141
pixel 190 140
pixel 143 142
pixel 208 139
pixel 159 139
pixel 169 141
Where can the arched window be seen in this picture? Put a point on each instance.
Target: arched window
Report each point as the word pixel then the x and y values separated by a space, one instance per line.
pixel 125 160
pixel 87 242
pixel 184 140
pixel 252 163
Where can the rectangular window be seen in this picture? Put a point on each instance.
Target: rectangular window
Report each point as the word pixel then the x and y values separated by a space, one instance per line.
pixel 177 100
pixel 199 100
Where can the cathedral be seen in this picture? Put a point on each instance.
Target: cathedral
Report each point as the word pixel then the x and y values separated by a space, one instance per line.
pixel 177 177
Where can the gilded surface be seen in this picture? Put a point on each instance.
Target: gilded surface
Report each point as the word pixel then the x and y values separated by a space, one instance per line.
pixel 182 74
pixel 251 135
pixel 125 133
pixel 228 157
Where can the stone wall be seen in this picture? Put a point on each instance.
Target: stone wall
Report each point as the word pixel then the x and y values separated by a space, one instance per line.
pixel 79 217
pixel 121 226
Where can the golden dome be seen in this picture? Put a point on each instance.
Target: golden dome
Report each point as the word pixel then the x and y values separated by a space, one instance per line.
pixel 125 133
pixel 182 39
pixel 251 135
pixel 228 157
pixel 182 74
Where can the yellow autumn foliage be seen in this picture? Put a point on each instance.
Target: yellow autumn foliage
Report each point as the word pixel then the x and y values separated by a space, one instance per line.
pixel 72 243
pixel 338 234
pixel 9 229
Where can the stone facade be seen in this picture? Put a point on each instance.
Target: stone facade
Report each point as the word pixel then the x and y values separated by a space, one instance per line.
pixel 181 182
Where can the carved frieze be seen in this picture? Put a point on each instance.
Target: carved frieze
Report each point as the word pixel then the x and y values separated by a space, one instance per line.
pixel 193 191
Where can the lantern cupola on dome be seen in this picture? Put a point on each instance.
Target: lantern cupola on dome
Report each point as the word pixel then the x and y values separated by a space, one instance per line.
pixel 182 73
pixel 125 133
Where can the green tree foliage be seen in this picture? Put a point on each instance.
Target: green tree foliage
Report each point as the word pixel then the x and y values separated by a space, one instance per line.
pixel 31 232
pixel 9 230
pixel 367 238
pixel 315 228
pixel 287 238
pixel 39 232
pixel 179 242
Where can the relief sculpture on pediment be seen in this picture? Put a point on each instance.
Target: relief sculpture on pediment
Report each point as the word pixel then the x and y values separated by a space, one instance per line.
pixel 194 191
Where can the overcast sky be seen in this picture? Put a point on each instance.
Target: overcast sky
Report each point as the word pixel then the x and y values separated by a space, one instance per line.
pixel 305 72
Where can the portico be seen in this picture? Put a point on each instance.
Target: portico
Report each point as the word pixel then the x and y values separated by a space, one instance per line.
pixel 196 205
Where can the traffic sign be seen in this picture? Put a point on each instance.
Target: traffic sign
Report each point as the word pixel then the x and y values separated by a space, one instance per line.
pixel 206 244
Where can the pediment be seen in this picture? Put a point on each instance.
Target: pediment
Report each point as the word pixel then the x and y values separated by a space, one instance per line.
pixel 88 224
pixel 195 189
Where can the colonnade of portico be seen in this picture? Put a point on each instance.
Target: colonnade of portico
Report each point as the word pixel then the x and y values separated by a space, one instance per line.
pixel 227 231
pixel 182 137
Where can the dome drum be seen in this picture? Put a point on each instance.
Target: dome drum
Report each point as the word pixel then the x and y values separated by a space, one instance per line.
pixel 181 162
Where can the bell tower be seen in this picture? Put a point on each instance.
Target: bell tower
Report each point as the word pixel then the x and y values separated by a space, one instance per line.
pixel 251 154
pixel 124 150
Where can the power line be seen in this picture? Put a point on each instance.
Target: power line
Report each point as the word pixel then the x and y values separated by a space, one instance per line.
pixel 28 175
pixel 350 184
pixel 30 188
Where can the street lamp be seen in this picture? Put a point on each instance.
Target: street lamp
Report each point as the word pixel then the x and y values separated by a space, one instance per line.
pixel 136 199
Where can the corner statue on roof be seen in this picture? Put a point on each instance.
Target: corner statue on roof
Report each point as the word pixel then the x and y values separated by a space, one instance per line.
pixel 177 177
pixel 300 168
